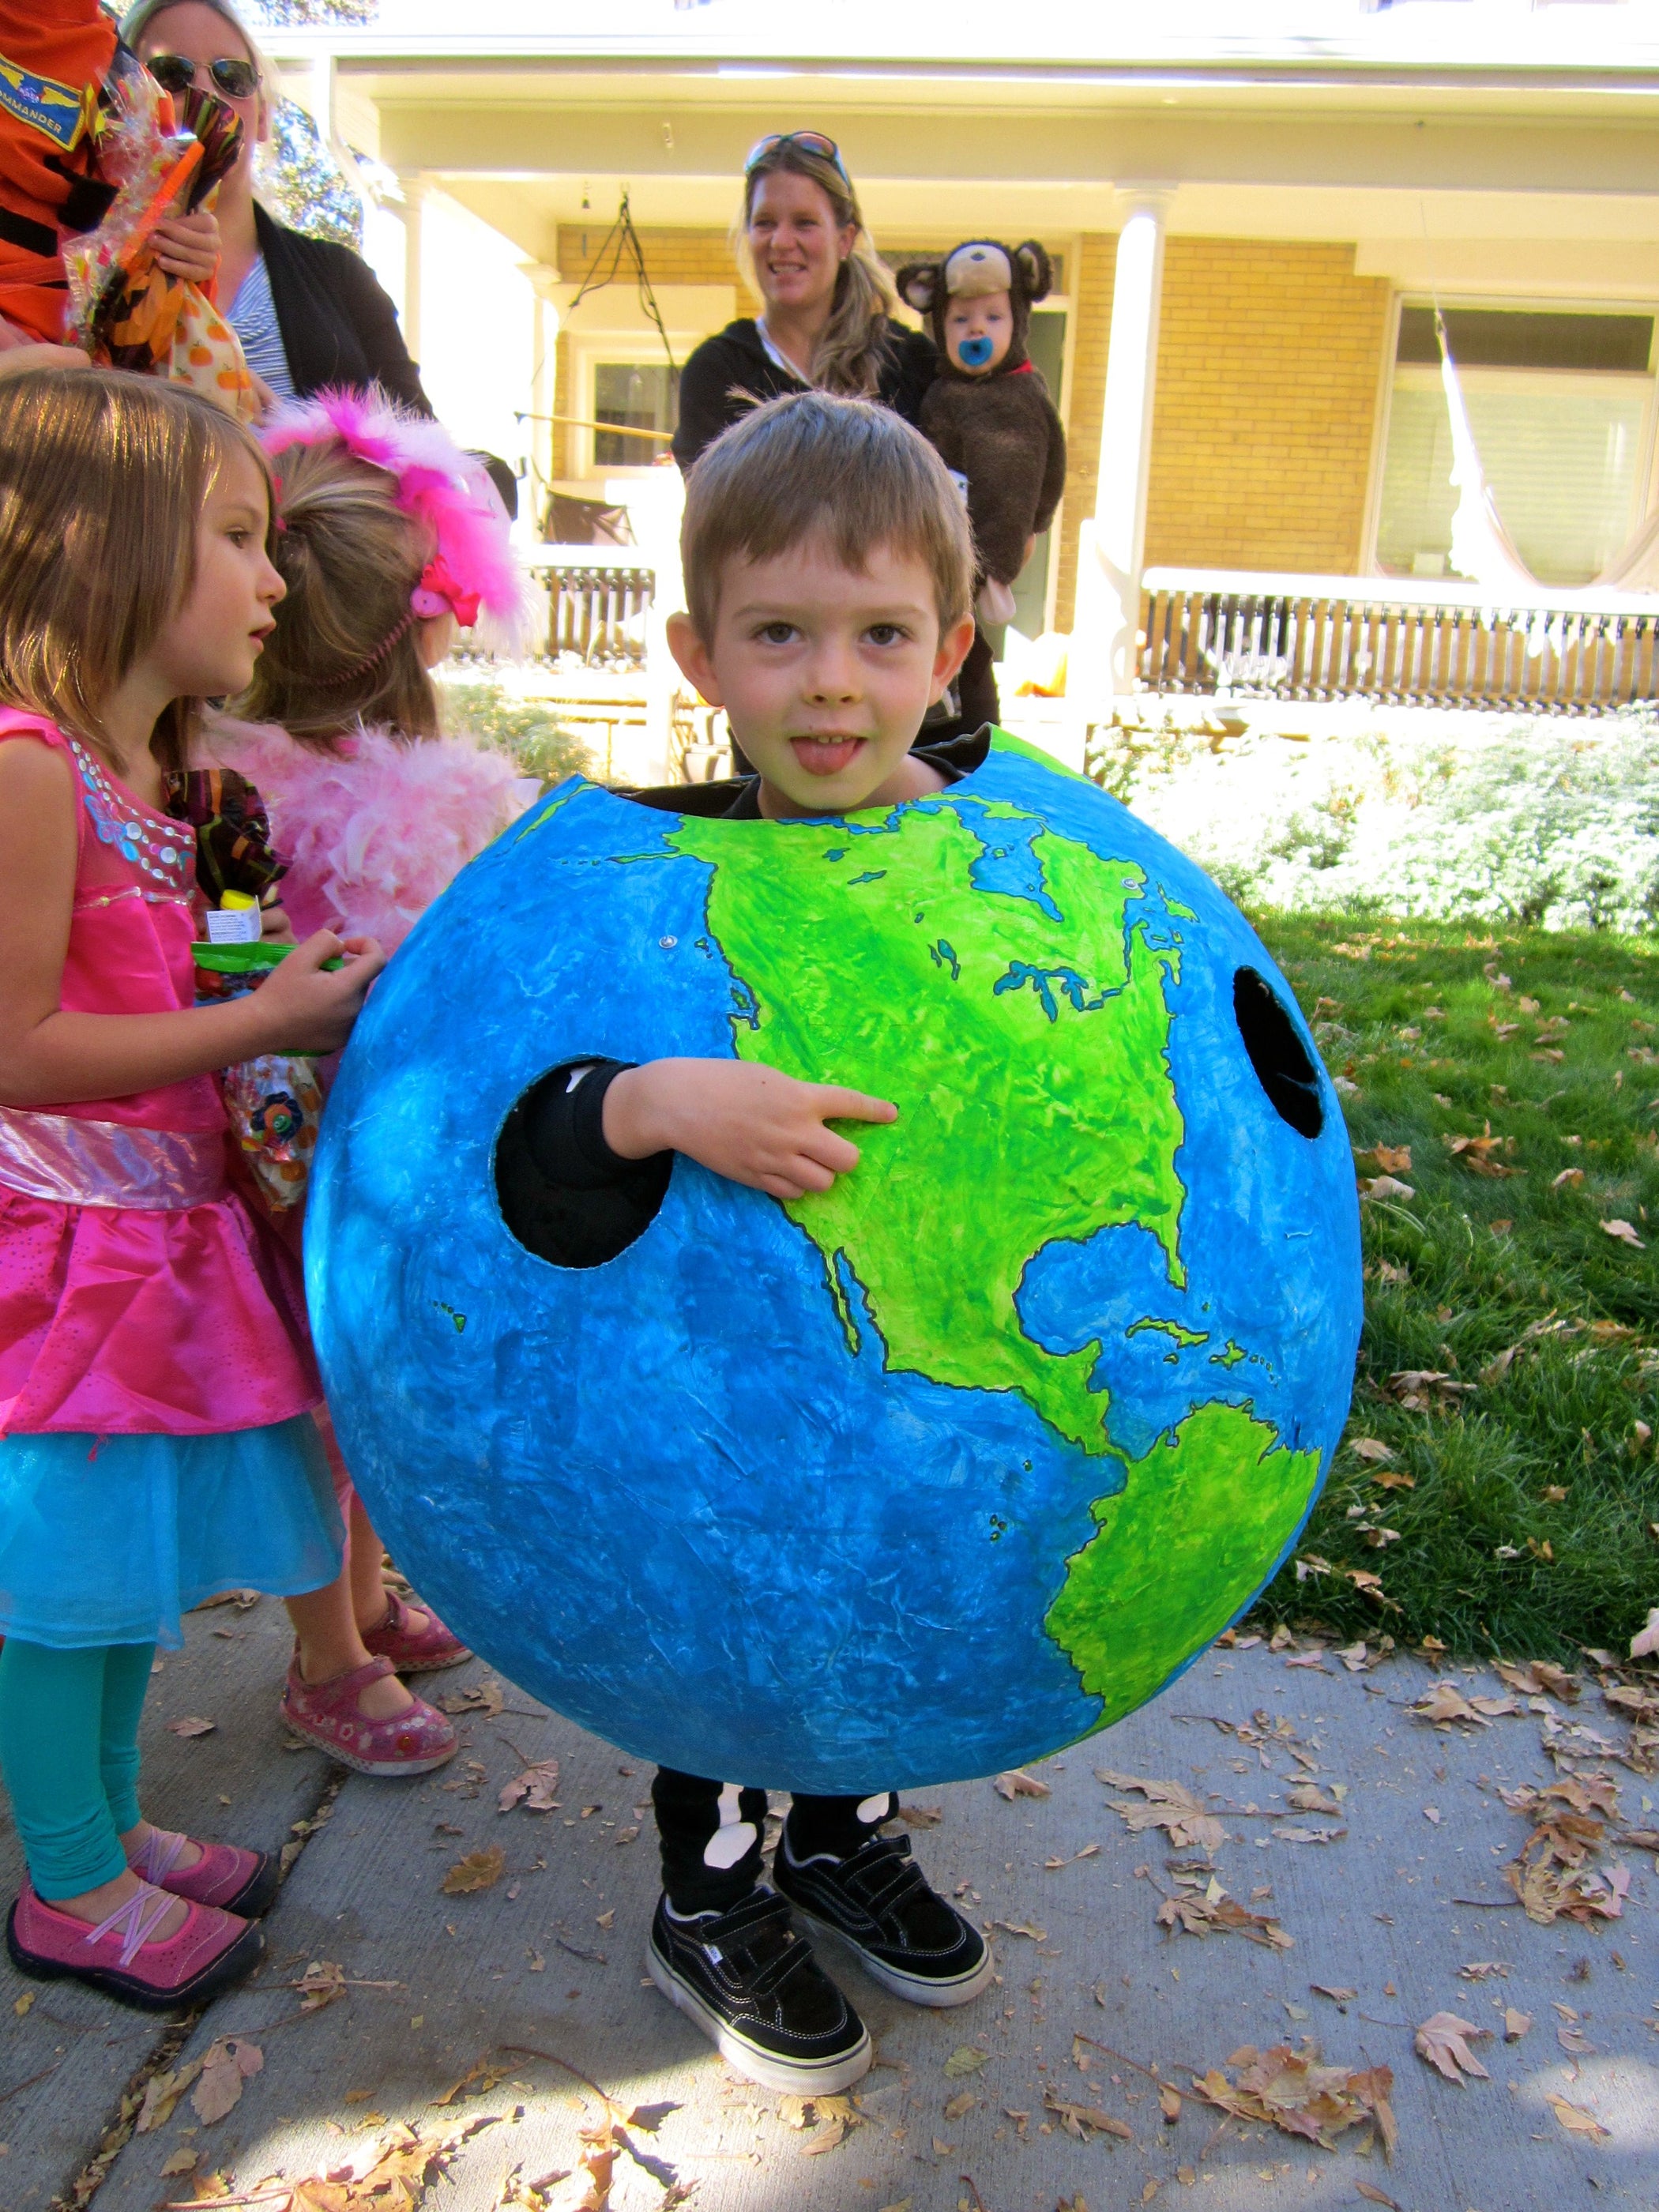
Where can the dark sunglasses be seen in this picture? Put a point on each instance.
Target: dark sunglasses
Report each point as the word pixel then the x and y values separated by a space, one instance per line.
pixel 234 80
pixel 809 142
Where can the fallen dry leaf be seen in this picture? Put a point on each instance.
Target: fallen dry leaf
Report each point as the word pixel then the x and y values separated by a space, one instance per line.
pixel 1392 1159
pixel 833 2120
pixel 323 1980
pixel 1569 1179
pixel 1516 2024
pixel 1202 1912
pixel 1187 1820
pixel 1443 2040
pixel 1016 1785
pixel 1309 1797
pixel 1644 1644
pixel 182 2161
pixel 1079 2120
pixel 1378 2196
pixel 1370 1448
pixel 161 2093
pixel 192 1724
pixel 487 1696
pixel 1342 1997
pixel 537 1785
pixel 225 2065
pixel 1024 1928
pixel 1296 2093
pixel 1169 2102
pixel 1623 1233
pixel 1482 1970
pixel 1444 1701
pixel 477 1870
pixel 1386 1186
pixel 1576 2120
pixel 964 2101
pixel 966 2058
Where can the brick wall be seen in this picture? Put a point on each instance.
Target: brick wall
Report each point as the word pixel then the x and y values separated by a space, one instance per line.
pixel 1091 312
pixel 1269 354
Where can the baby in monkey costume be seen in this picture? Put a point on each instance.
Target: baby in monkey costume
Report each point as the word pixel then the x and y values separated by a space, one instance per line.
pixel 989 414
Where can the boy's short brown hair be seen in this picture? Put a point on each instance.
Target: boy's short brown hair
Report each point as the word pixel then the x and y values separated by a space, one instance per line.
pixel 810 464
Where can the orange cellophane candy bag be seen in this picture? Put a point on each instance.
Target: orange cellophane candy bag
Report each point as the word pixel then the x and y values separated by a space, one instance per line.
pixel 124 309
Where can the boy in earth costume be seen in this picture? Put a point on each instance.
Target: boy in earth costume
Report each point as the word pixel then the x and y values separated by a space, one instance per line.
pixel 829 568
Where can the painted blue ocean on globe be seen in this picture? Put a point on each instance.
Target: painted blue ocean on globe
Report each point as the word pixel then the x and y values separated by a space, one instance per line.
pixel 915 1479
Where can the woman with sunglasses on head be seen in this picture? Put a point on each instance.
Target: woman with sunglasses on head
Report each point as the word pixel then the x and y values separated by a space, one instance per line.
pixel 827 320
pixel 309 313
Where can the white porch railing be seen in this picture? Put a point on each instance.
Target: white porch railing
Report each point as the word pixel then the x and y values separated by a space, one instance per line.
pixel 1263 634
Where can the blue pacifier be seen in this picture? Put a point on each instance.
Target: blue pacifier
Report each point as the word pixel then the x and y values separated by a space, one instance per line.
pixel 974 353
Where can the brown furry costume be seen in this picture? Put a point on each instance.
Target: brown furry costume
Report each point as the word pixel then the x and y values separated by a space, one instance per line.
pixel 999 430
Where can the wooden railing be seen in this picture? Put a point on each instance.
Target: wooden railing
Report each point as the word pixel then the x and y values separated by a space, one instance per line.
pixel 1286 636
pixel 598 605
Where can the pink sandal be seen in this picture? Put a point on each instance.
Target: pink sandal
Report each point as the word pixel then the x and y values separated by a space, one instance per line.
pixel 239 1881
pixel 411 1743
pixel 210 1949
pixel 410 1652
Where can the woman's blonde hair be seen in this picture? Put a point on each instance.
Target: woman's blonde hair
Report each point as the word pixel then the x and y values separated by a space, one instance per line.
pixel 103 477
pixel 848 358
pixel 344 649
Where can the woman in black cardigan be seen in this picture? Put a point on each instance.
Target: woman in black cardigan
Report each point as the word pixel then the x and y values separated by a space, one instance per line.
pixel 309 313
pixel 827 320
pixel 826 324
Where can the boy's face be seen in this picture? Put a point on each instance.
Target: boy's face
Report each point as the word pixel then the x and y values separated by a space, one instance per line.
pixel 978 332
pixel 824 672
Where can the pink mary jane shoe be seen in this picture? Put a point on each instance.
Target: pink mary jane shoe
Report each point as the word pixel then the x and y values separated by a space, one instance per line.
pixel 411 1743
pixel 410 1652
pixel 235 1880
pixel 122 1956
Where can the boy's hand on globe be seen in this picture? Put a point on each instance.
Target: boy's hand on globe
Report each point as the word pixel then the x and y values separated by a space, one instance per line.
pixel 750 1123
pixel 302 1006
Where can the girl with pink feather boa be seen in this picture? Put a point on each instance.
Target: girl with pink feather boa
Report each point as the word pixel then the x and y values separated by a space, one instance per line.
pixel 388 538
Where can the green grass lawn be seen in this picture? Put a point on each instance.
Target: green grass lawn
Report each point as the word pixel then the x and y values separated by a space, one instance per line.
pixel 1531 1526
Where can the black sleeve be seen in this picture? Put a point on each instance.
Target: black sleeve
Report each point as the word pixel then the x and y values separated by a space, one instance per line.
pixel 373 319
pixel 706 406
pixel 913 367
pixel 564 1193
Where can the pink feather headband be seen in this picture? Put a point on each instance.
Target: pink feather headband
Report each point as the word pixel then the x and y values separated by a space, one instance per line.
pixel 474 566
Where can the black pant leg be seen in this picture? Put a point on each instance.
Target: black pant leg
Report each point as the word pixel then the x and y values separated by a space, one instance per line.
pixel 710 1834
pixel 836 1827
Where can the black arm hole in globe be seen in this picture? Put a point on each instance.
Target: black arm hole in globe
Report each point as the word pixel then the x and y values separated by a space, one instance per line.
pixel 568 1225
pixel 1277 1053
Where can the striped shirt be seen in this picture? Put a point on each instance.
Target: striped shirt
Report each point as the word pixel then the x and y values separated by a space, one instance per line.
pixel 253 319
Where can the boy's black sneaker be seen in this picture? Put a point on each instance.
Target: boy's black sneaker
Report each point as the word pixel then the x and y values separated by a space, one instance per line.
pixel 905 1933
pixel 753 1987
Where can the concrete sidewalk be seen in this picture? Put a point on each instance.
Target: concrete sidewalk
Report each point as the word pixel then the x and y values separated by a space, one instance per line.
pixel 536 1980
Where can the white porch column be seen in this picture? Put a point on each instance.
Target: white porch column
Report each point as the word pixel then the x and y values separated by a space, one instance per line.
pixel 415 189
pixel 1112 550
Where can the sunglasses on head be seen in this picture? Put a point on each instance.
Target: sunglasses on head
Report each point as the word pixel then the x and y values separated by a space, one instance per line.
pixel 232 80
pixel 809 142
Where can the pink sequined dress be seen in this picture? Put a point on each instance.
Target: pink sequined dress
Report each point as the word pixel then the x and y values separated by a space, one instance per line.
pixel 138 1293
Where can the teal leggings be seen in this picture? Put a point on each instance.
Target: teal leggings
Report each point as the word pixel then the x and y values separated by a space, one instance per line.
pixel 69 1750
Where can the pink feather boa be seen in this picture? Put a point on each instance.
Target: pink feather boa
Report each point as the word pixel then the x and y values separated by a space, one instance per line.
pixel 374 832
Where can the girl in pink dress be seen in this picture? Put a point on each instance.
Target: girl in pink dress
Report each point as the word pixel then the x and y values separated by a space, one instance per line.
pixel 389 536
pixel 156 1382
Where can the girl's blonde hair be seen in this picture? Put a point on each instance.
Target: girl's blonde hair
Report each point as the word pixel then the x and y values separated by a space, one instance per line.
pixel 103 477
pixel 344 649
pixel 848 358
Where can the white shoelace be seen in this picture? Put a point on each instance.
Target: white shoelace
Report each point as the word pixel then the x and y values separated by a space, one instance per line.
pixel 135 1921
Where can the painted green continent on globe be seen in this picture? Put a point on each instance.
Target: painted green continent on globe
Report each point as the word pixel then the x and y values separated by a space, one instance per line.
pixel 1087 1140
pixel 912 1479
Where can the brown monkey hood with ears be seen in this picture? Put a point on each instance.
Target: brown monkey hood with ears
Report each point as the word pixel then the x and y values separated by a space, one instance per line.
pixel 998 431
pixel 968 271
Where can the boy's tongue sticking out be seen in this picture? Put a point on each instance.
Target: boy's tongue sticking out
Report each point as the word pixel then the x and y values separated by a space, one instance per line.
pixel 826 671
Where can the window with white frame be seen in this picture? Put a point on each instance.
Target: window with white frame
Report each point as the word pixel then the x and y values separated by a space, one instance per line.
pixel 638 397
pixel 1561 403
